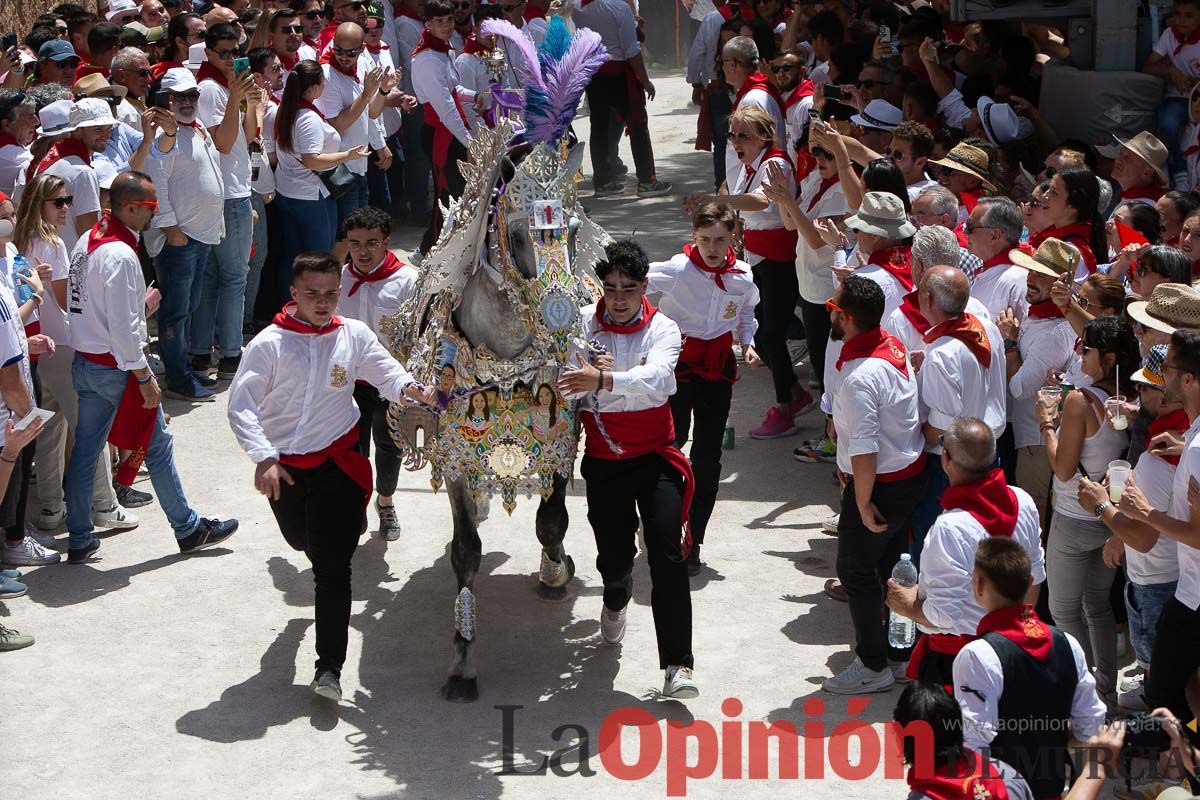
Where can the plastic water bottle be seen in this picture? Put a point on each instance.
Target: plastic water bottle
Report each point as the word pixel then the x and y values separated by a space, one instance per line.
pixel 21 267
pixel 902 631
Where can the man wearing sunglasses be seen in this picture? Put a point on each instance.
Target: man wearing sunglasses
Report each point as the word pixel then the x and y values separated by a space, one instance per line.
pixel 56 63
pixel 131 70
pixel 311 14
pixel 790 77
pixel 286 37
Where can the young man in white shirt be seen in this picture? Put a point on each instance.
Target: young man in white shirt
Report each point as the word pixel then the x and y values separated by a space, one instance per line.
pixel 1024 687
pixel 711 295
pixel 374 285
pixel 291 408
pixel 403 34
pixel 978 503
pixel 881 466
pixel 87 132
pixel 106 296
pixel 1176 59
pixel 190 222
pixel 223 297
pixel 627 390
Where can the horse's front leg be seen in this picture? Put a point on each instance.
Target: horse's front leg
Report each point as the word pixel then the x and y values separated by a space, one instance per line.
pixel 462 684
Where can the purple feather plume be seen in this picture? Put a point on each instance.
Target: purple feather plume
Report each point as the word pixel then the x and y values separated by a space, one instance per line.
pixel 531 71
pixel 566 81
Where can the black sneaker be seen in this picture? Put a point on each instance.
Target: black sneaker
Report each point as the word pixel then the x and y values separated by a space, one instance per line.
pixel 79 555
pixel 130 497
pixel 205 380
pixel 208 533
pixel 228 367
pixel 694 565
pixel 201 364
pixel 327 685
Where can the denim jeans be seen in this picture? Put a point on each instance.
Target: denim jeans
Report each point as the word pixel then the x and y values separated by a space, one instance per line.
pixel 258 257
pixel 1144 603
pixel 100 390
pixel 1172 119
pixel 308 225
pixel 356 197
pixel 720 106
pixel 223 293
pixel 181 275
pixel 417 167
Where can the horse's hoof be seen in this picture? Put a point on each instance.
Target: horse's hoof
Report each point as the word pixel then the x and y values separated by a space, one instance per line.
pixel 561 574
pixel 458 689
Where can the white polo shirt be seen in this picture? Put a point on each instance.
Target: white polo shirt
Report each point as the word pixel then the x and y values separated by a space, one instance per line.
pixel 341 91
pixel 190 191
pixel 1044 344
pixel 1187 60
pixel 1161 564
pixel 84 186
pixel 310 134
pixel 614 21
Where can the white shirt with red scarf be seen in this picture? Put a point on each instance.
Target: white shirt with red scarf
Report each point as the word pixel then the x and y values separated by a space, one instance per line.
pixel 643 374
pixel 1182 55
pixel 761 99
pixel 701 308
pixel 797 106
pixel 435 81
pixel 1001 285
pixel 341 91
pixel 955 382
pixel 294 392
pixel 374 297
pixel 768 222
pixel 106 296
pixel 912 335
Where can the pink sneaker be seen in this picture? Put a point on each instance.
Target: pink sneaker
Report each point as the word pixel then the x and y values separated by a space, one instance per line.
pixel 775 425
pixel 802 406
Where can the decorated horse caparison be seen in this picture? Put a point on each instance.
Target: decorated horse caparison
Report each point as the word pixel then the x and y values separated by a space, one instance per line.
pixel 494 320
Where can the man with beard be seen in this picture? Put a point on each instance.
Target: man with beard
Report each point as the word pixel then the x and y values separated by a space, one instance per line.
pixel 189 223
pixel 311 14
pixel 286 38
pixel 106 306
pixel 464 24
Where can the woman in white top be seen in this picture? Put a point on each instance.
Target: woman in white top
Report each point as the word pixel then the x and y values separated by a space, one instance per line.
pixel 43 211
pixel 306 145
pixel 1085 440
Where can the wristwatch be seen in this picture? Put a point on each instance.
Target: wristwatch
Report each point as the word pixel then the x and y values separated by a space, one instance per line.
pixel 1009 344
pixel 1100 508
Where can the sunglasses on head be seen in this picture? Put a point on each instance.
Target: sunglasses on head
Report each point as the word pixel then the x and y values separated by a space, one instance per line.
pixel 62 202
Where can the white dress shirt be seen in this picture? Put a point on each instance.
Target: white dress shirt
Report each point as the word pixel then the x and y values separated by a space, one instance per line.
pixel 1161 564
pixel 875 411
pixel 1001 287
pixel 374 302
pixel 435 79
pixel 1044 344
pixel 340 93
pixel 391 118
pixel 796 120
pixel 1188 591
pixel 977 666
pixel 954 384
pixel 698 306
pixel 474 77
pixel 614 21
pixel 191 192
pixel 768 218
pixel 814 268
pixel 402 34
pixel 899 326
pixel 702 55
pixel 235 165
pixel 948 558
pixel 106 303
pixel 294 392
pixel 893 289
pixel 643 374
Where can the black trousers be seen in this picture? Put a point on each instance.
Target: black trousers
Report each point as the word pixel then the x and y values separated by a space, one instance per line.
pixel 373 424
pixel 618 491
pixel 865 560
pixel 15 502
pixel 778 291
pixel 816 334
pixel 707 404
pixel 608 96
pixel 454 182
pixel 323 514
pixel 1174 659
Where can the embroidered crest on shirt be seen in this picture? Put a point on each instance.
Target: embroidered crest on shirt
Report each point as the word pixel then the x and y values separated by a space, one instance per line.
pixel 338 377
pixel 980 792
pixel 731 310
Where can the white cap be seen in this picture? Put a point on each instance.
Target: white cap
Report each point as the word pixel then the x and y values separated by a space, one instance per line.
pixel 92 112
pixel 880 115
pixel 178 80
pixel 56 118
pixel 196 56
pixel 119 7
pixel 1000 123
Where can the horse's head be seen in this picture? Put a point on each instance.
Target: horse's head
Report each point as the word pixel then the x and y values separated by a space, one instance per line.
pixel 539 204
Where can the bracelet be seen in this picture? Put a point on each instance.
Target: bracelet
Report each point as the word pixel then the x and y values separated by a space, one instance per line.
pixel 8 460
pixel 600 382
pixel 146 380
pixel 36 297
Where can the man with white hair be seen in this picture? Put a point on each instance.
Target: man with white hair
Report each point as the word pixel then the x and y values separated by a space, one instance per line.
pixel 751 86
pixel 932 246
pixel 937 205
pixel 993 229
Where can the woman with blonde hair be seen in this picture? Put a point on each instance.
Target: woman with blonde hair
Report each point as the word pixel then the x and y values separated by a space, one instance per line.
pixel 42 212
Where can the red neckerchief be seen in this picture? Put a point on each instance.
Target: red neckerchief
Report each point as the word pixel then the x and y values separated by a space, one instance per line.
pixel 468 30
pixel 201 131
pixel 1045 310
pixel 994 261
pixel 1152 193
pixel 288 60
pixel 897 261
pixel 328 58
pixel 110 229
pixel 313 43
pixel 1176 422
pixel 1021 626
pixel 968 779
pixel 288 322
pixel 63 148
pixel 377 48
pixel 991 501
pixel 157 70
pixel 825 185
pixel 874 343
pixel 431 42
pixel 967 329
pixel 969 200
pixel 806 162
pixel 758 80
pixel 401 11
pixel 1078 234
pixel 7 138
pixel 1184 41
pixel 326 36
pixel 911 309
pixel 471 45
pixel 726 268
pixel 390 266
pixel 805 89
pixel 648 312
pixel 532 12
pixel 768 154
pixel 208 72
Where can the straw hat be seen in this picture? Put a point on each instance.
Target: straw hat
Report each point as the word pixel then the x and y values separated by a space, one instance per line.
pixel 1148 148
pixel 1171 306
pixel 1151 371
pixel 1052 258
pixel 969 159
pixel 881 213
pixel 94 85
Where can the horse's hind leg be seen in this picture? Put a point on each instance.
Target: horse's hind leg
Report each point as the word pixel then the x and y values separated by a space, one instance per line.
pixel 557 567
pixel 465 552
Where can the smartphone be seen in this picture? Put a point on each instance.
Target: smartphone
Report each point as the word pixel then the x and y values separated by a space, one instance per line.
pixel 240 65
pixel 8 41
pixel 885 34
pixel 163 100
pixel 833 92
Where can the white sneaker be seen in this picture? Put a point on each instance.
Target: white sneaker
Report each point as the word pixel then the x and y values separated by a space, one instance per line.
pixel 1133 683
pixel 51 520
pixel 116 518
pixel 28 553
pixel 679 684
pixel 1132 701
pixel 831 525
pixel 44 539
pixel 612 625
pixel 857 679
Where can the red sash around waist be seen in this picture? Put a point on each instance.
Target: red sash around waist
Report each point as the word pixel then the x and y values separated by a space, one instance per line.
pixel 636 96
pixel 775 244
pixel 345 454
pixel 707 359
pixel 911 471
pixel 944 644
pixel 133 425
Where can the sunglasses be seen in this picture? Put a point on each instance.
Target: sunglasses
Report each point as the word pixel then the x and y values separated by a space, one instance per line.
pixel 62 202
pixel 897 155
pixel 969 227
pixel 341 51
pixel 831 307
pixel 738 137
pixel 225 54
pixel 185 97
pixel 312 14
pixel 1034 204
pixel 292 29
pixel 150 204
pixel 464 5
pixel 785 68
